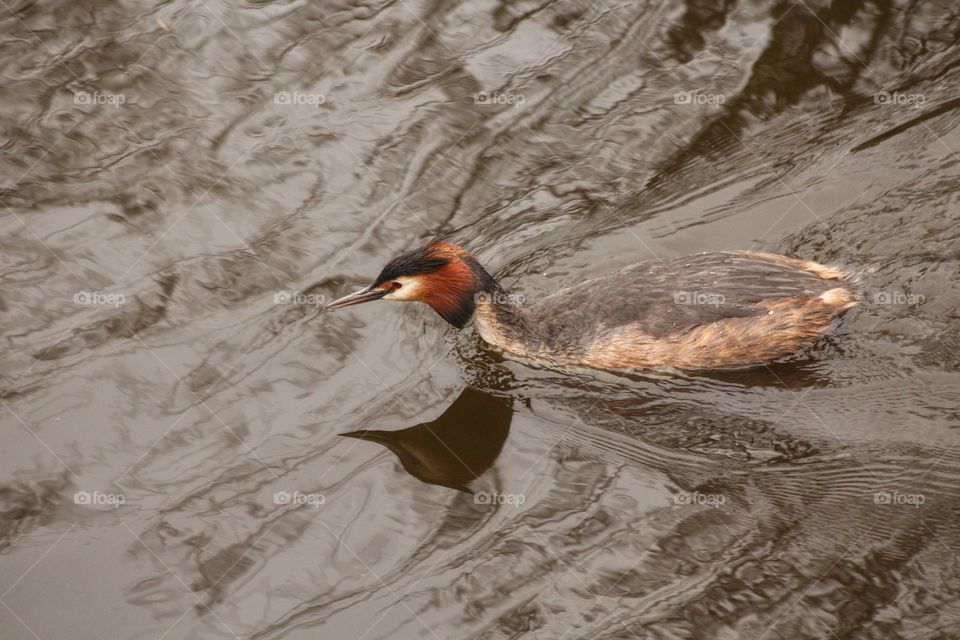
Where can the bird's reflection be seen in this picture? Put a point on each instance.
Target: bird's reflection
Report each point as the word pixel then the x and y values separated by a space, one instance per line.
pixel 457 447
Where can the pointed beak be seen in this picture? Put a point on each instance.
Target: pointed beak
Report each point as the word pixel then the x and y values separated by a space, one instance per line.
pixel 364 295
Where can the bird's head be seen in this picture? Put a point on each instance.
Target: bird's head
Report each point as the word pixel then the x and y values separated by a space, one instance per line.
pixel 441 274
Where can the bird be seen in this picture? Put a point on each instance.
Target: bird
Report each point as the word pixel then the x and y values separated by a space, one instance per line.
pixel 709 311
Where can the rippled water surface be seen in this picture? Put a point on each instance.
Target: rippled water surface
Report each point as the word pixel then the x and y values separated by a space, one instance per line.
pixel 182 183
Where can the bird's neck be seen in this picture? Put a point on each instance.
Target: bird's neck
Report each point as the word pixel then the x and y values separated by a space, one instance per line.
pixel 498 315
pixel 501 322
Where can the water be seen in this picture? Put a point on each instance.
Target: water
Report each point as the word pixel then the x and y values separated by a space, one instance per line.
pixel 182 183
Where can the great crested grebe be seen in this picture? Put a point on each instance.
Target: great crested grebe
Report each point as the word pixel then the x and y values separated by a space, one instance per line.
pixel 720 310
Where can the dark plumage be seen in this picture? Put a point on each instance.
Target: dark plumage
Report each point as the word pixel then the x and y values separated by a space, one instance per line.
pixel 661 297
pixel 413 263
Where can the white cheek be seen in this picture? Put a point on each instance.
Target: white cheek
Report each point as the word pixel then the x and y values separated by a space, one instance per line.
pixel 408 291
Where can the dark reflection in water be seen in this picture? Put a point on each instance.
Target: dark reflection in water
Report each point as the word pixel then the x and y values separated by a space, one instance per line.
pixel 456 448
pixel 183 183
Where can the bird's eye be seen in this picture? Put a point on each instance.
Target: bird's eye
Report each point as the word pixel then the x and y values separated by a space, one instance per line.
pixel 396 285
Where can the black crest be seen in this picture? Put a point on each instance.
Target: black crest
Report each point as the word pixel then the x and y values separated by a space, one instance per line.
pixel 414 263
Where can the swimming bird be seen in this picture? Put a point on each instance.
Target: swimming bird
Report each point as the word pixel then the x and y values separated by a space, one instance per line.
pixel 718 310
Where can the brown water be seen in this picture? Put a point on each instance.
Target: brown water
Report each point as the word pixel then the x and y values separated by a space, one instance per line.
pixel 170 171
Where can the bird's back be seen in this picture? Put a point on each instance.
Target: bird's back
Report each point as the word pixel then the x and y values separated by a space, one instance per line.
pixel 656 304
